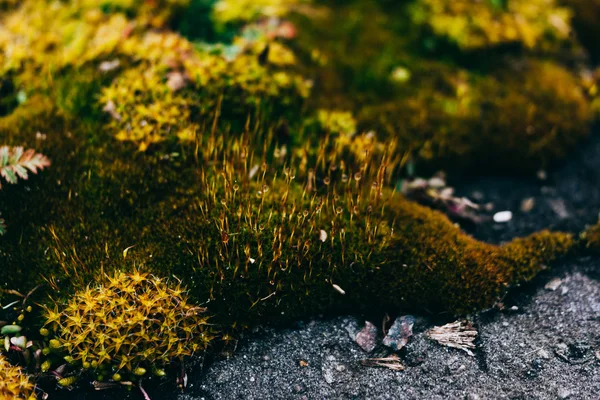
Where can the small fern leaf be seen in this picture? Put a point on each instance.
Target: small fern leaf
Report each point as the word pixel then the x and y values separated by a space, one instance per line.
pixel 2 226
pixel 16 163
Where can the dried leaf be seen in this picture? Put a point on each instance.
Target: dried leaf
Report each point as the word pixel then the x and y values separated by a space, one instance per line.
pixel 459 335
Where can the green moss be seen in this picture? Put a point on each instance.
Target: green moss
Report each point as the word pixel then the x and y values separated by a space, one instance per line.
pixel 521 117
pixel 266 247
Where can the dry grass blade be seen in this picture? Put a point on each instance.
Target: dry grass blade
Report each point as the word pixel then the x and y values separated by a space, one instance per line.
pixel 459 334
pixel 391 362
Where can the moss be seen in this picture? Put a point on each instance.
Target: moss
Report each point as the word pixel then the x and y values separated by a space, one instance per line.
pixel 129 324
pixel 476 24
pixel 14 384
pixel 523 116
pixel 260 243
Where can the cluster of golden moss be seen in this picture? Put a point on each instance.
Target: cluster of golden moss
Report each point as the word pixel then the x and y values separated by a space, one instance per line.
pixel 153 102
pixel 131 324
pixel 14 384
pixel 40 40
pixel 473 24
pixel 236 11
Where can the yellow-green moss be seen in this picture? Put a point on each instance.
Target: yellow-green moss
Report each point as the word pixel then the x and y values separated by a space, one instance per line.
pixel 129 322
pixel 449 108
pixel 14 384
pixel 475 24
pixel 521 117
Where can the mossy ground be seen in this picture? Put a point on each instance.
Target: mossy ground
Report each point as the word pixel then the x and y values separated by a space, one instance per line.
pixel 223 166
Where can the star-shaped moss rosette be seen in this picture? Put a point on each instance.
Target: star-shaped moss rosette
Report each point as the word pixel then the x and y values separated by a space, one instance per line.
pixel 131 324
pixel 14 384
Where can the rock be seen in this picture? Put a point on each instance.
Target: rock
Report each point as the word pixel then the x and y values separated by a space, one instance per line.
pixel 553 284
pixel 502 217
pixel 367 337
pixel 400 332
pixel 543 354
pixel 563 393
pixel 527 204
pixel 559 207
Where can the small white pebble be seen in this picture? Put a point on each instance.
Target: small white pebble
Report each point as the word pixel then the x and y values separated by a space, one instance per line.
pixel 502 216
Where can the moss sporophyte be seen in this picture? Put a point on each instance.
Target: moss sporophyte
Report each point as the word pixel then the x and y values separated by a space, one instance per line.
pixel 203 185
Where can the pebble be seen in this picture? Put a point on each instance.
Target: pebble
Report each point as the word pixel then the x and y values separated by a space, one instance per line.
pixel 502 217
pixel 400 332
pixel 564 393
pixel 553 284
pixel 367 337
pixel 527 204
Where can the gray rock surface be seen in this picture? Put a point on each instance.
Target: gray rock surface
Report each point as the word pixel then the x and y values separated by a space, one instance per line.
pixel 544 345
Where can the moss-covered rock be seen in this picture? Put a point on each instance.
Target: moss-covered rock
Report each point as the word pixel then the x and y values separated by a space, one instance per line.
pixel 446 106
